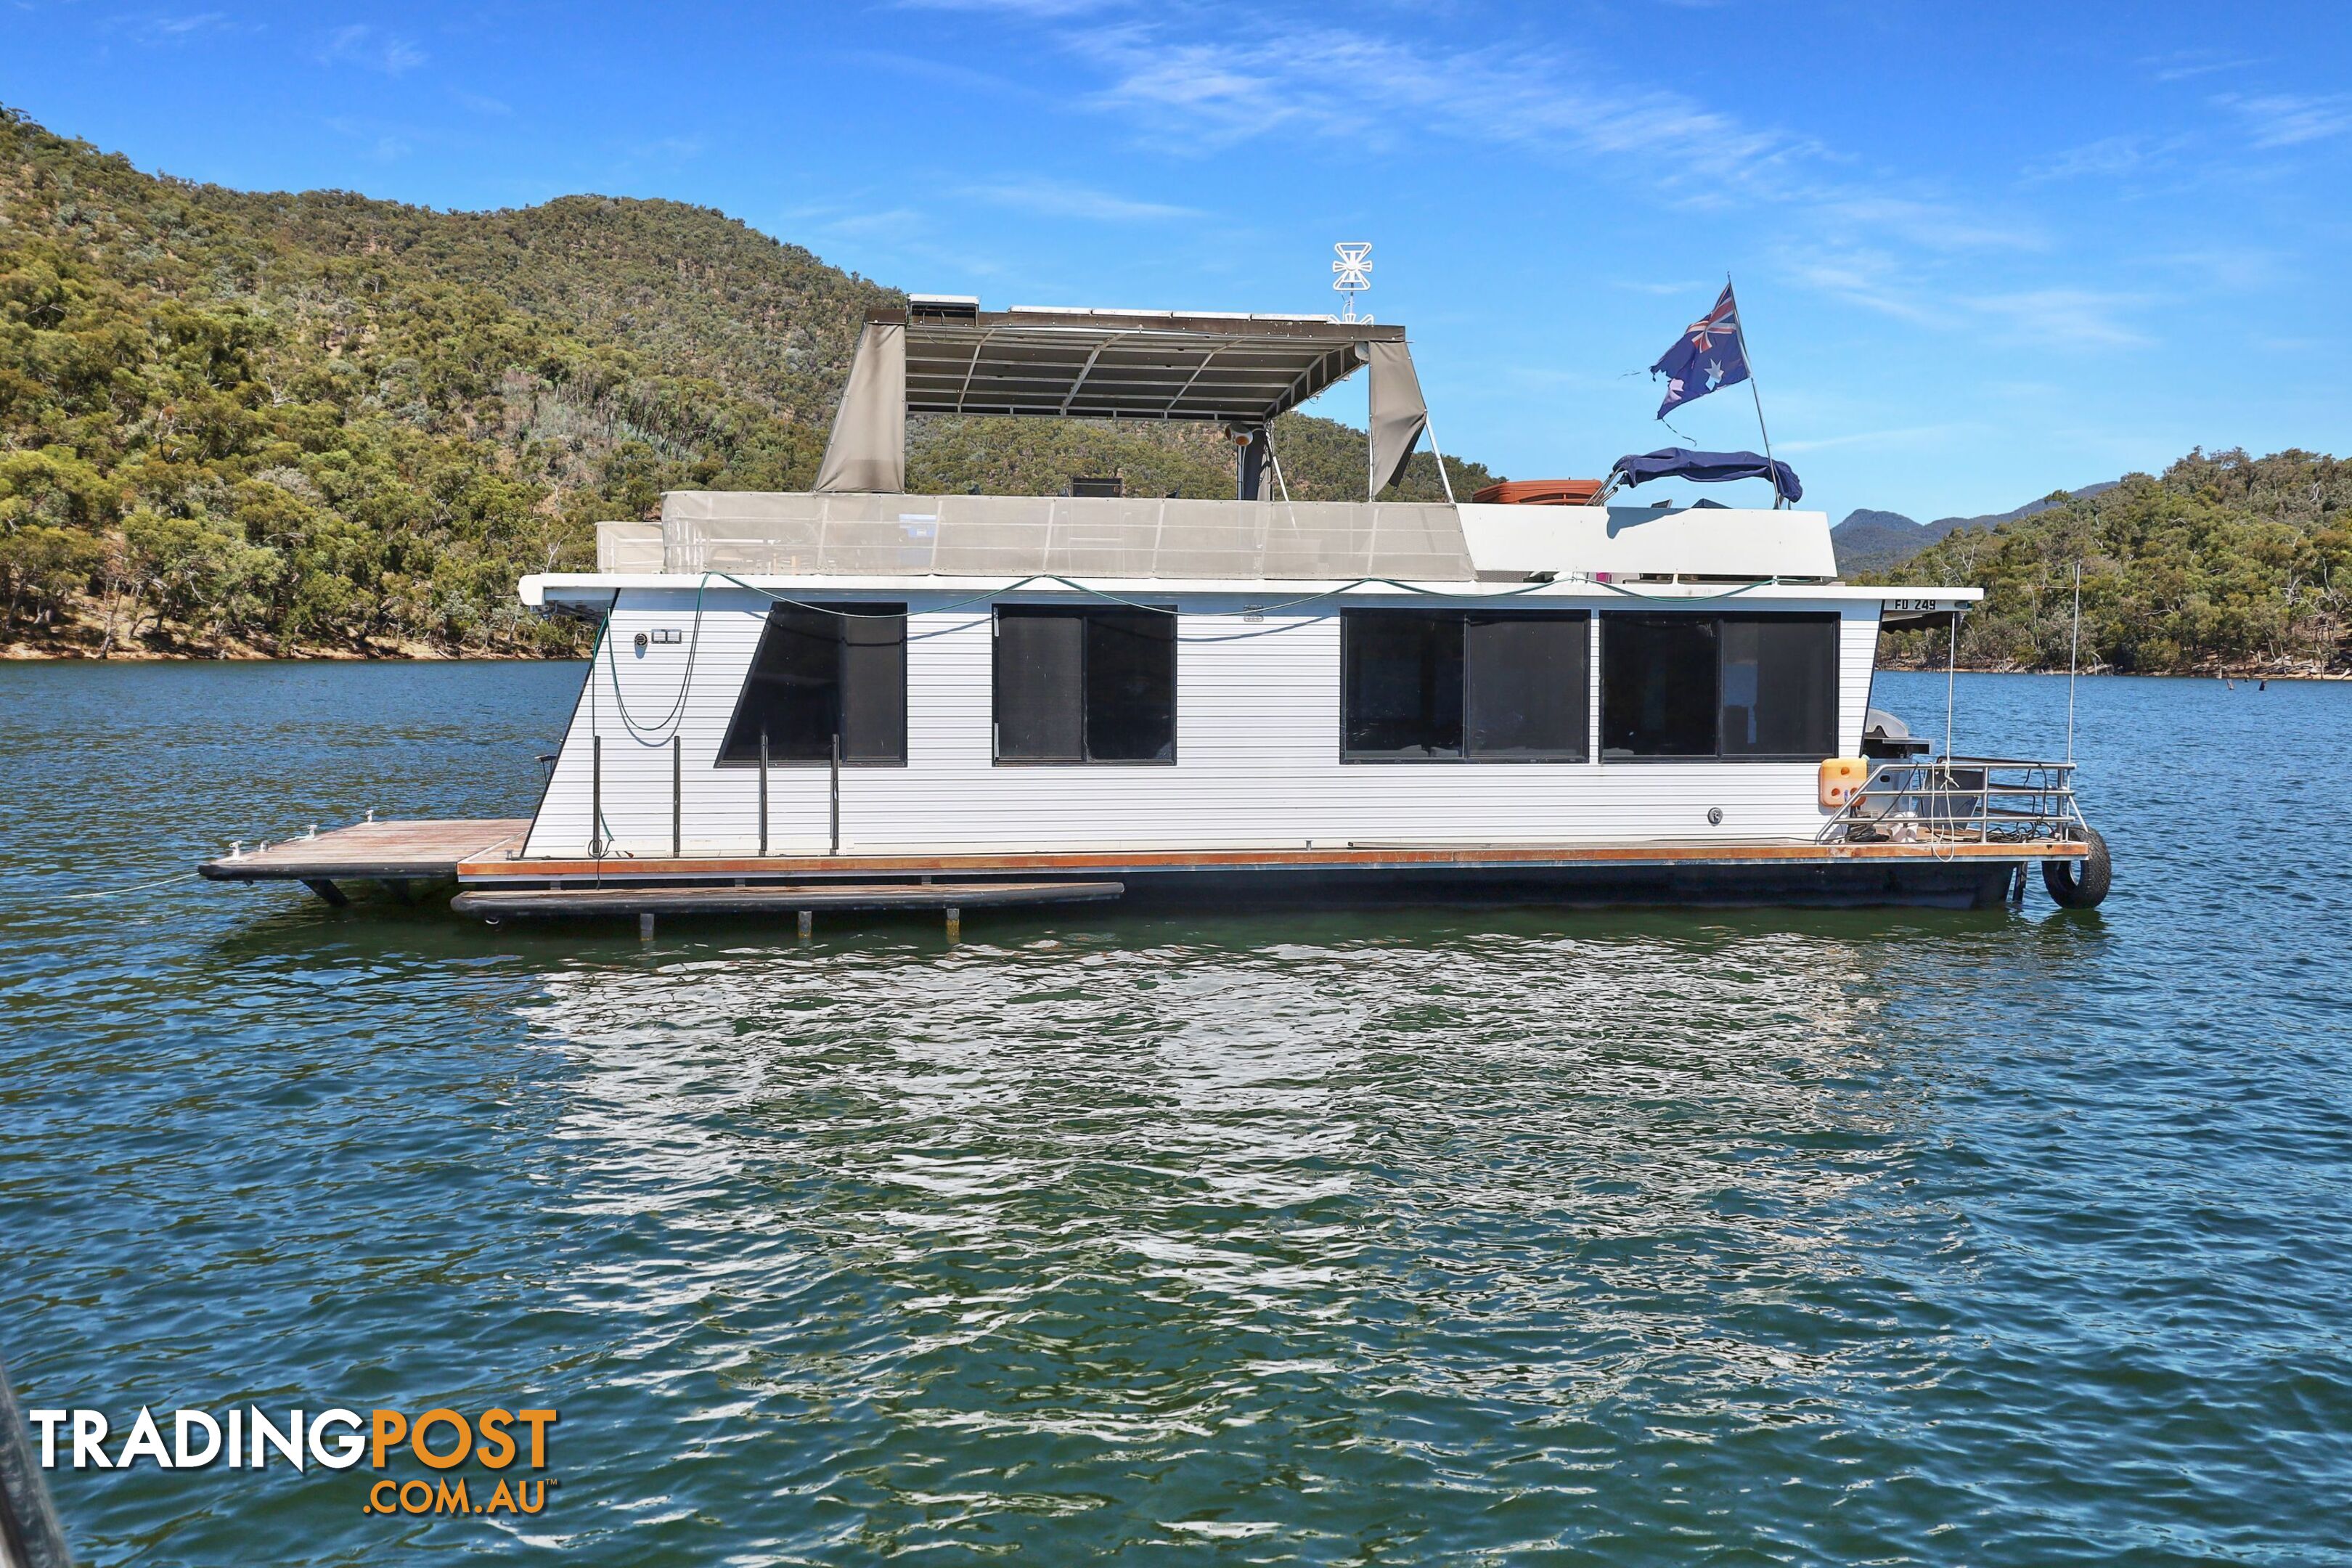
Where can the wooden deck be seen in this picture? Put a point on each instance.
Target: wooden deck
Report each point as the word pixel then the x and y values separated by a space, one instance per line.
pixel 398 853
pixel 496 886
pixel 486 872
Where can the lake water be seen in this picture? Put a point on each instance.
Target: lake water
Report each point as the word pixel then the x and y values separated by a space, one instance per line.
pixel 1401 1238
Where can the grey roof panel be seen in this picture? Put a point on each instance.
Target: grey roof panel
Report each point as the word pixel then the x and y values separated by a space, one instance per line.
pixel 771 533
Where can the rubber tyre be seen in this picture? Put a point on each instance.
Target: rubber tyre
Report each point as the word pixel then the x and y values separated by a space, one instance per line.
pixel 2081 884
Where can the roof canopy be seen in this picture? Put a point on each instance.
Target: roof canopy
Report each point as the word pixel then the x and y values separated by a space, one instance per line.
pixel 947 356
pixel 1125 364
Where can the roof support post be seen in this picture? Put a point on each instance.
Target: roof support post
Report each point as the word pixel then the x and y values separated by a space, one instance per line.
pixel 1249 462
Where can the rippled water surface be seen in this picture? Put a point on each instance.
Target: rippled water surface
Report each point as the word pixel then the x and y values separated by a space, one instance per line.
pixel 1396 1238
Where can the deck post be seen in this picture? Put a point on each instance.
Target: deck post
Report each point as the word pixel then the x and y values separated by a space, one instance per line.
pixel 808 923
pixel 327 891
pixel 645 926
pixel 596 798
pixel 955 923
pixel 764 791
pixel 836 792
pixel 676 796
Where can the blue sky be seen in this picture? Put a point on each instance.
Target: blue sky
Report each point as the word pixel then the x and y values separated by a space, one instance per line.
pixel 1983 251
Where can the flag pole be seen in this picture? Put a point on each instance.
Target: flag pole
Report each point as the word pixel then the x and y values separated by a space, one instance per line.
pixel 1739 327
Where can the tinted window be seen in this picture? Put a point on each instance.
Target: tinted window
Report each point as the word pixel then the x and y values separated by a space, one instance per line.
pixel 821 671
pixel 1040 683
pixel 1530 686
pixel 1401 685
pixel 1131 686
pixel 1085 686
pixel 1748 685
pixel 1424 684
pixel 874 689
pixel 1658 686
pixel 1779 686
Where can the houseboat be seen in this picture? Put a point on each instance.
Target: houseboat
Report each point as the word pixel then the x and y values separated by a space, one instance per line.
pixel 859 697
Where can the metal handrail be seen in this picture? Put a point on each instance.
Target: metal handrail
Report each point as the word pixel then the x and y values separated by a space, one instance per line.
pixel 1962 800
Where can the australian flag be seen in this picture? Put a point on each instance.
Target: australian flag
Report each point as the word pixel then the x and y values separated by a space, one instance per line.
pixel 1708 355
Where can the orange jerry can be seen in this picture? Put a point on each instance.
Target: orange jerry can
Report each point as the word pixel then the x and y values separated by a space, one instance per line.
pixel 1842 780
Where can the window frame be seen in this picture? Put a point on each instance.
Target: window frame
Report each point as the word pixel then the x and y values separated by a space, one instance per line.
pixel 1463 615
pixel 1082 612
pixel 1719 618
pixel 838 610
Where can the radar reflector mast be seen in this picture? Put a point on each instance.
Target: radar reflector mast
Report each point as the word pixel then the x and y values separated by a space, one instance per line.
pixel 1353 274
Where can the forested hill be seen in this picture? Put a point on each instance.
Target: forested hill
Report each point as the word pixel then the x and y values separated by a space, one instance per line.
pixel 2223 561
pixel 241 423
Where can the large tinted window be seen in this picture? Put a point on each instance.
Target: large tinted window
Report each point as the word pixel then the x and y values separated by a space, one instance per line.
pixel 1400 686
pixel 1085 686
pixel 821 671
pixel 1779 686
pixel 1131 686
pixel 1041 664
pixel 1530 686
pixel 1657 686
pixel 1430 684
pixel 1701 685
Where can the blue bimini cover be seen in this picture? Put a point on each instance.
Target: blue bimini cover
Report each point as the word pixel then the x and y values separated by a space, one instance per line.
pixel 1708 468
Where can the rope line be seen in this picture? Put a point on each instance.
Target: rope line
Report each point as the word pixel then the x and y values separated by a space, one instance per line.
pixel 132 887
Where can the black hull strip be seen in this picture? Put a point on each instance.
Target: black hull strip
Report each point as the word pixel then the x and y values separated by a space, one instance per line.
pixel 1968 884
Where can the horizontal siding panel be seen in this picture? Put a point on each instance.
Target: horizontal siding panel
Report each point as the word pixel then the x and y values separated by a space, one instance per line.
pixel 1257 746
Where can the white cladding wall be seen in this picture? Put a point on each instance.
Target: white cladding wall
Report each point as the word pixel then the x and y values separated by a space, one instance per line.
pixel 1257 752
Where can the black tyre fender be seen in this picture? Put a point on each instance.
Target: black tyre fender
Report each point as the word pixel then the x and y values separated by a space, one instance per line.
pixel 2081 884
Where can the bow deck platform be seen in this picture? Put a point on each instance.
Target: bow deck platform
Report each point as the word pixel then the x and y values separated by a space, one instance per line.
pixel 396 853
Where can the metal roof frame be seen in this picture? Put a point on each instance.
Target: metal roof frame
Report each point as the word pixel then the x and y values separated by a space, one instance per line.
pixel 1230 369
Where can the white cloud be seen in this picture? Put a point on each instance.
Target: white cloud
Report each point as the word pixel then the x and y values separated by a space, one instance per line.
pixel 2108 155
pixel 1932 225
pixel 2183 64
pixel 1909 434
pixel 2067 317
pixel 162 27
pixel 372 49
pixel 1056 198
pixel 1039 10
pixel 2056 315
pixel 1343 85
pixel 2289 120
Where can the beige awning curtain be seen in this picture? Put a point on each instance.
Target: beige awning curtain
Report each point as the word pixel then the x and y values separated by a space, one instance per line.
pixel 1398 414
pixel 1110 368
pixel 867 450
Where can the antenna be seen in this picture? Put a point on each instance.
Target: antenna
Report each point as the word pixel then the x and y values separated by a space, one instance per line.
pixel 1353 275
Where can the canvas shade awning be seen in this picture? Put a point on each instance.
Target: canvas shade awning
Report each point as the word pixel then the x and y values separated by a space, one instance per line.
pixel 1239 371
pixel 1707 469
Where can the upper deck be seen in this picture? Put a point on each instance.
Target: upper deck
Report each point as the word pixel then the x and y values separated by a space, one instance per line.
pixel 902 541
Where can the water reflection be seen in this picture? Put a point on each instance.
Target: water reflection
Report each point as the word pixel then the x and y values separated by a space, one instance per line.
pixel 1115 1194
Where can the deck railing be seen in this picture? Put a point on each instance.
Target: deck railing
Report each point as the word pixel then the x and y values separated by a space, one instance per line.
pixel 1968 800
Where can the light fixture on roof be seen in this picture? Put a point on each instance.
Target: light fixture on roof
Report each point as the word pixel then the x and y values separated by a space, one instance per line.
pixel 1353 275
